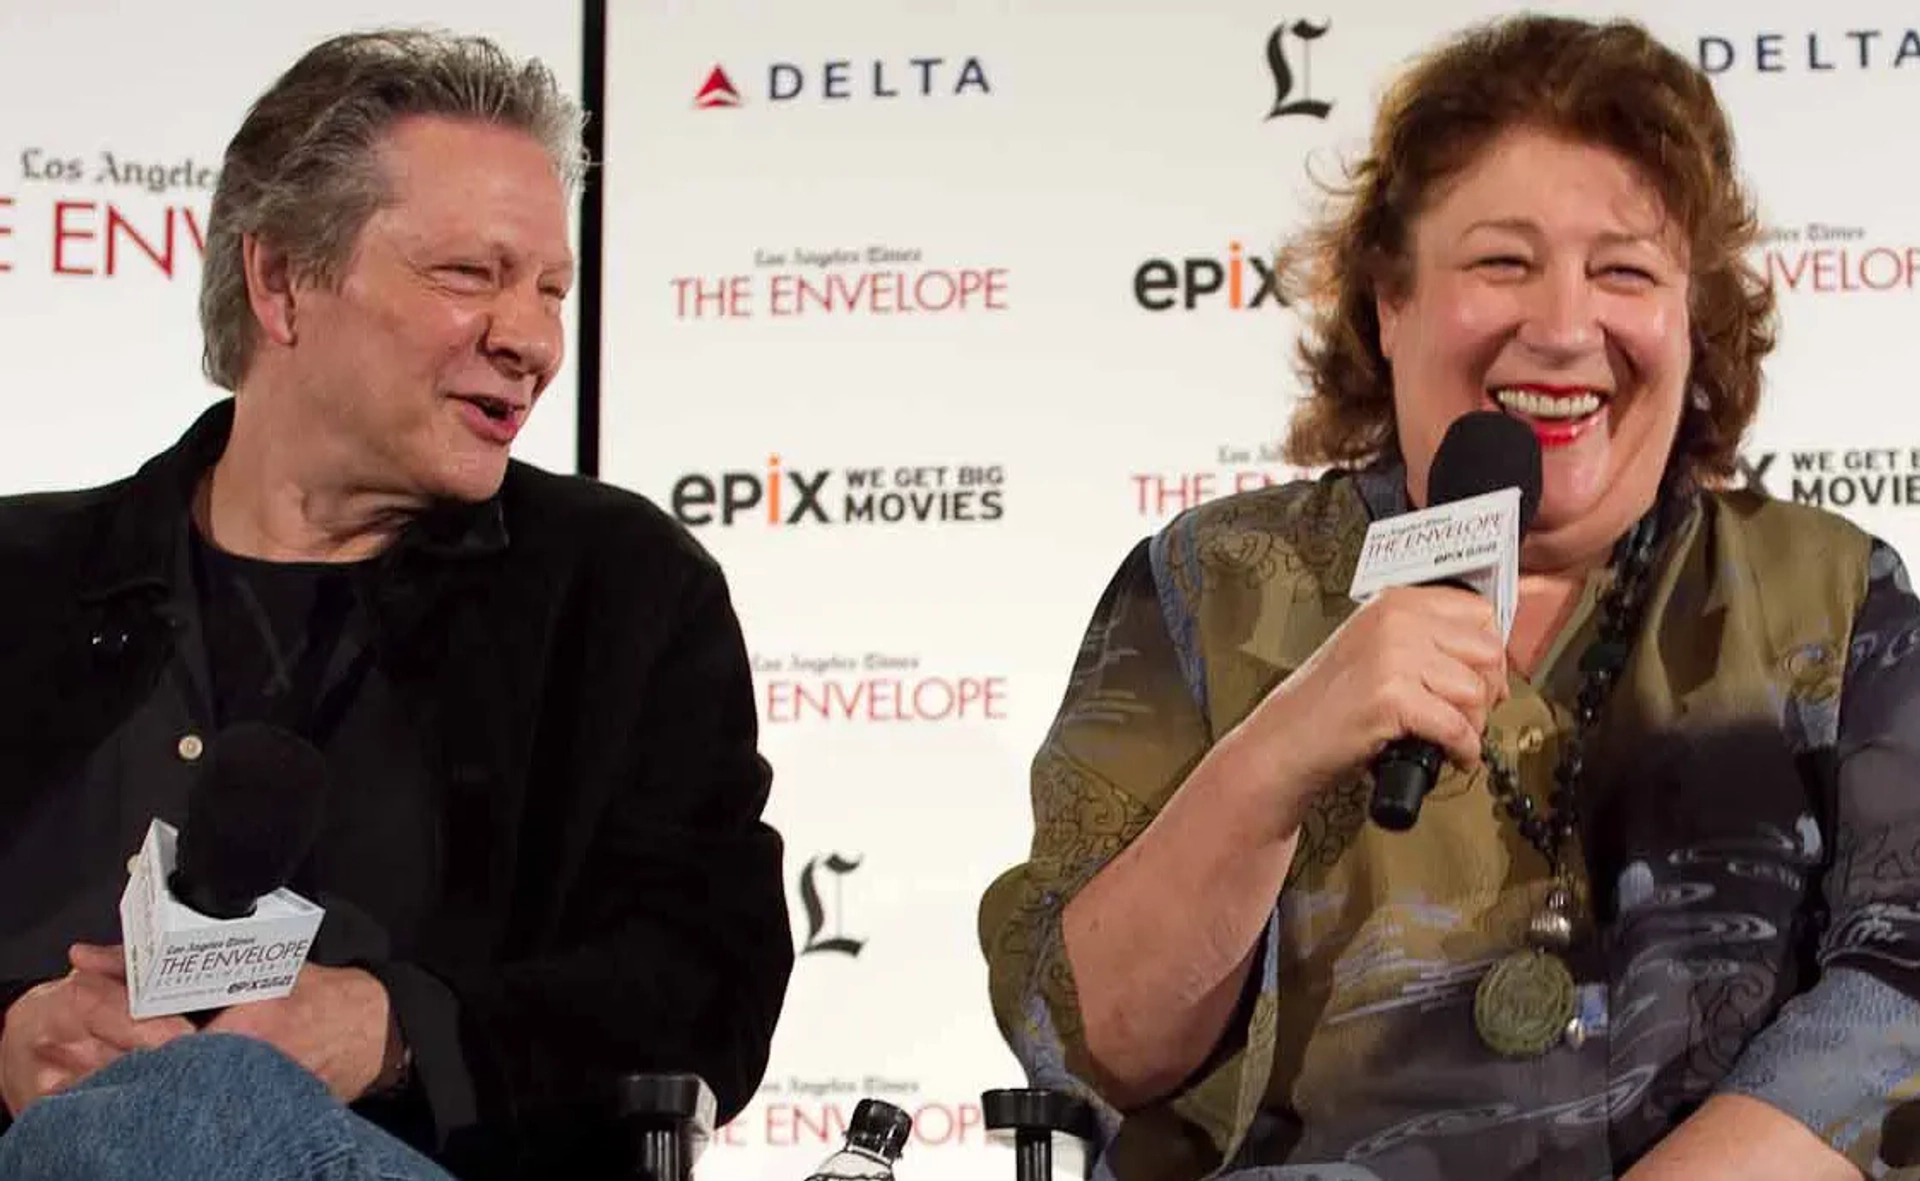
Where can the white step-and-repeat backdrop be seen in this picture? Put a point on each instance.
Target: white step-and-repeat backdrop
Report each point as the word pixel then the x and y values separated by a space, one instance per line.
pixel 920 314
pixel 113 120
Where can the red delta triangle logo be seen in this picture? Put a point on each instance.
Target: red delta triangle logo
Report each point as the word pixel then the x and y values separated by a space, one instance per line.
pixel 717 91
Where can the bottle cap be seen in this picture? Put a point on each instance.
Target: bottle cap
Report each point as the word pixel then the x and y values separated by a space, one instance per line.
pixel 879 1127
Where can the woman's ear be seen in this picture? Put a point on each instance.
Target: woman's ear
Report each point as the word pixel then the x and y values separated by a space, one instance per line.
pixel 1387 312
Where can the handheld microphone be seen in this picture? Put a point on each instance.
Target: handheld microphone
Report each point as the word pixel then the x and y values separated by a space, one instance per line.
pixel 206 918
pixel 1483 452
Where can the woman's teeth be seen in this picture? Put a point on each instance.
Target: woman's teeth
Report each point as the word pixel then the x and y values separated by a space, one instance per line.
pixel 1547 406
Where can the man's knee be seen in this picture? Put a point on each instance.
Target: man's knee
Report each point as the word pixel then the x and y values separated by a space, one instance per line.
pixel 210 1106
pixel 189 1071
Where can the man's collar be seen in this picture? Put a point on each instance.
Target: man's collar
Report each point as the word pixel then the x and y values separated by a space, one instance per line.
pixel 151 514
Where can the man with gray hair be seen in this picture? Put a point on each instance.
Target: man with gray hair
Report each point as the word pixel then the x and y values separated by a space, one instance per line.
pixel 543 863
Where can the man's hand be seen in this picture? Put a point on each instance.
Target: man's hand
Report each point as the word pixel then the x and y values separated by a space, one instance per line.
pixel 62 1031
pixel 335 1023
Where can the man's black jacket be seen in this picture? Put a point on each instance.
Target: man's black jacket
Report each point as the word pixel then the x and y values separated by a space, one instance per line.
pixel 578 679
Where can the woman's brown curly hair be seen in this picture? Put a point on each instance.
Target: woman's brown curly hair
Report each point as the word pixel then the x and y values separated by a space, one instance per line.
pixel 1612 85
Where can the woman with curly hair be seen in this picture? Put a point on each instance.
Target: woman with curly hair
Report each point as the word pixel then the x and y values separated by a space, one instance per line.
pixel 1660 915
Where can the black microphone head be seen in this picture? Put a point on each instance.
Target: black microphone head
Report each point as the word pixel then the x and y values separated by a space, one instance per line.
pixel 1485 451
pixel 252 817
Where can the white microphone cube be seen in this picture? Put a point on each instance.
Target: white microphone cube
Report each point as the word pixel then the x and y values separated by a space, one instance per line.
pixel 182 961
pixel 1475 540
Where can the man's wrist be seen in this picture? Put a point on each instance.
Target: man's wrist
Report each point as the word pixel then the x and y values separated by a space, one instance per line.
pixel 396 1062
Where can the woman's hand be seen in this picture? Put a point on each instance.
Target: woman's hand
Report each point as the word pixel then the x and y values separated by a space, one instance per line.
pixel 1421 662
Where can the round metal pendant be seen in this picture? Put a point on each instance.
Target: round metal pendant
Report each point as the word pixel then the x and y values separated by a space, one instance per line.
pixel 1523 1005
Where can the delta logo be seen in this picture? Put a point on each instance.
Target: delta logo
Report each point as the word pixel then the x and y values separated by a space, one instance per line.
pixel 846 80
pixel 717 91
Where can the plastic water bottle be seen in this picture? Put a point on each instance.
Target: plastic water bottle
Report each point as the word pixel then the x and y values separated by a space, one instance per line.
pixel 875 1135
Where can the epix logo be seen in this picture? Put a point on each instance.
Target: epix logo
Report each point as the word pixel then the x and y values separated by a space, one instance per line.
pixel 1753 471
pixel 789 497
pixel 1239 281
pixel 922 494
pixel 1837 478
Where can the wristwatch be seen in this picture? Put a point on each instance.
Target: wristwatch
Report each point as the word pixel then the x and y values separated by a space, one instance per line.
pixel 396 1065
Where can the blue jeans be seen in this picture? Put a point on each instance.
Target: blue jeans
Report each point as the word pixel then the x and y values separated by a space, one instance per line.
pixel 210 1107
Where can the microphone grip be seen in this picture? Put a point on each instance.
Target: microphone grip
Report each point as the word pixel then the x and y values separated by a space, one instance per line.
pixel 1403 773
pixel 1405 769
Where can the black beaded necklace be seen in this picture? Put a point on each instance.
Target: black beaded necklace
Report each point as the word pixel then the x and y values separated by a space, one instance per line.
pixel 1525 1004
pixel 1600 668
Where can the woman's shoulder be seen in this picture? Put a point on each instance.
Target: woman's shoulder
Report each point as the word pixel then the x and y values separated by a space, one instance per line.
pixel 1798 566
pixel 1783 533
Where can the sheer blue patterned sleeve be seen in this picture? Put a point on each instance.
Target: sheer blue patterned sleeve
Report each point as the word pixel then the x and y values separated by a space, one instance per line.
pixel 1844 1056
pixel 1126 733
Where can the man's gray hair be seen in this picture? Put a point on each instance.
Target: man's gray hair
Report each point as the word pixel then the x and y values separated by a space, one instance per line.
pixel 302 171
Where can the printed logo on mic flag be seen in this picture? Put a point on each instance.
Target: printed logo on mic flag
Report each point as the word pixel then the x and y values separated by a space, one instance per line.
pixel 1476 540
pixel 181 961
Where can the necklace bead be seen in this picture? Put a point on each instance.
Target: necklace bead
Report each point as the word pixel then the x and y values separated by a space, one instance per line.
pixel 1600 667
pixel 1528 1001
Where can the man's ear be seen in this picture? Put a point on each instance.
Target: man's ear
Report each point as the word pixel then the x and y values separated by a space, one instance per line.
pixel 270 288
